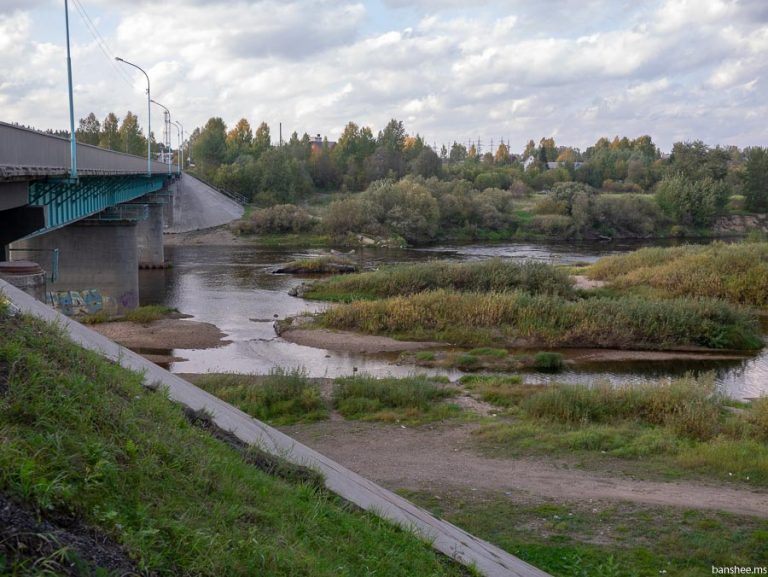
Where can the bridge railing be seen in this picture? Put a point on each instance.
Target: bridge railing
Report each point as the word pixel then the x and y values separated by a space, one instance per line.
pixel 29 153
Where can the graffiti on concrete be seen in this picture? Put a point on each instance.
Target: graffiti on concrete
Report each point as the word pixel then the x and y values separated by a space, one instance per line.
pixel 73 303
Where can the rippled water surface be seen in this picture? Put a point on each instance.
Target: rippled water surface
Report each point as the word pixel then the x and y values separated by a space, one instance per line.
pixel 233 288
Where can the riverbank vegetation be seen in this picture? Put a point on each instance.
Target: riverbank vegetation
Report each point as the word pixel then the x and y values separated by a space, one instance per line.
pixel 323 264
pixel 410 399
pixel 394 184
pixel 493 275
pixel 141 315
pixel 737 272
pixel 85 443
pixel 521 319
pixel 280 398
pixel 682 427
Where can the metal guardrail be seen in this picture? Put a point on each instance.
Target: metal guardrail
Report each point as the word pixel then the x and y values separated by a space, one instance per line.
pixel 28 153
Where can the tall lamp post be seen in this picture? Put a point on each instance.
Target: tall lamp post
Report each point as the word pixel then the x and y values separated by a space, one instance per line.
pixel 72 141
pixel 168 131
pixel 149 115
pixel 181 146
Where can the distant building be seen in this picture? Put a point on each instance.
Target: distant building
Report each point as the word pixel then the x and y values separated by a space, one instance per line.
pixel 558 164
pixel 318 141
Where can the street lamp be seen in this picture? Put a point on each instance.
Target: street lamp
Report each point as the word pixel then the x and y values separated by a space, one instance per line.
pixel 168 132
pixel 180 134
pixel 72 141
pixel 149 116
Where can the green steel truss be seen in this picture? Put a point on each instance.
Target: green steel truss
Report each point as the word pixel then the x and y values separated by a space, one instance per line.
pixel 67 201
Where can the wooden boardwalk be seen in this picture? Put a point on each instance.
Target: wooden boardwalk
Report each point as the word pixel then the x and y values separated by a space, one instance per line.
pixel 445 537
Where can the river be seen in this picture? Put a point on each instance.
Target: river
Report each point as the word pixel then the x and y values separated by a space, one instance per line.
pixel 233 288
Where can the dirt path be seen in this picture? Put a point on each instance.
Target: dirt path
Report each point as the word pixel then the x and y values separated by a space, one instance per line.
pixel 438 458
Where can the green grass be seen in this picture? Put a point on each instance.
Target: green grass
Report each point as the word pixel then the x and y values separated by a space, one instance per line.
pixel 599 539
pixel 141 315
pixel 518 318
pixel 414 399
pixel 282 397
pixel 148 314
pixel 548 361
pixel 676 428
pixel 502 390
pixel 482 276
pixel 490 352
pixel 737 272
pixel 292 240
pixel 83 439
pixel 326 264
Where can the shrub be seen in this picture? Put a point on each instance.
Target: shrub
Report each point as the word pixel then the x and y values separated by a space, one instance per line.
pixel 692 202
pixel 281 218
pixel 552 224
pixel 546 361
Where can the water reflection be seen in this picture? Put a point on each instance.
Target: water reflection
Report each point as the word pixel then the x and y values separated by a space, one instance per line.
pixel 234 288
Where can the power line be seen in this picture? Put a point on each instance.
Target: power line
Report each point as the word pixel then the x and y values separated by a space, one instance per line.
pixel 101 42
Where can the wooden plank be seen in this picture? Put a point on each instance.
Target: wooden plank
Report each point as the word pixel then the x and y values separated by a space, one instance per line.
pixel 444 537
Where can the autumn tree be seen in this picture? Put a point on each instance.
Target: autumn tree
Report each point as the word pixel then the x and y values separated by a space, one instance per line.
pixel 209 147
pixel 239 140
pixel 110 133
pixel 89 130
pixel 131 138
pixel 261 140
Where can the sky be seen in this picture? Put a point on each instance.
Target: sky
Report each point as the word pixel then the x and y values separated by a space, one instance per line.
pixel 451 70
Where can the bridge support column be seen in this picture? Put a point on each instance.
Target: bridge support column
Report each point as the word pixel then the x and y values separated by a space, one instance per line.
pixel 173 190
pixel 149 238
pixel 98 266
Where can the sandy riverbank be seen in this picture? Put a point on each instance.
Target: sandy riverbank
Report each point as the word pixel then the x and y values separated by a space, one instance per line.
pixel 163 334
pixel 217 236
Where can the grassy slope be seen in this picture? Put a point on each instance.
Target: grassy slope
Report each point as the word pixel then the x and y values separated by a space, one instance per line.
pixel 82 437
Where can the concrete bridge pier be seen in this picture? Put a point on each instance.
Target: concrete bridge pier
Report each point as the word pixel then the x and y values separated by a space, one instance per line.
pixel 98 264
pixel 170 203
pixel 149 237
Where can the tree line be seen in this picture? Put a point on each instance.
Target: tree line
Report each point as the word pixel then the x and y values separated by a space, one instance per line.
pixel 691 186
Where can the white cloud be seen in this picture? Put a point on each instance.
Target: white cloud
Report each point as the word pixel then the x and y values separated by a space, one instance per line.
pixel 513 70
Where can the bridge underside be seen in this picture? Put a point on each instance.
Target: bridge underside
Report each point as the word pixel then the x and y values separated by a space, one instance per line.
pixel 32 208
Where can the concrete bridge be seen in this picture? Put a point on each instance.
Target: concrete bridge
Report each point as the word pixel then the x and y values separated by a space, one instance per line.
pixel 90 234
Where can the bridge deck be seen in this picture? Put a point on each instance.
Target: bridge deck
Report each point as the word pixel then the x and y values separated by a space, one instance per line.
pixel 28 154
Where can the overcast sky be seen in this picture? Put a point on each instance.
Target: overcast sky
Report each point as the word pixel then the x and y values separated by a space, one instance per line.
pixel 512 70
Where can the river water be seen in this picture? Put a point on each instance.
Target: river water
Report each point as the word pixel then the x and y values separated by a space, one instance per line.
pixel 233 288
